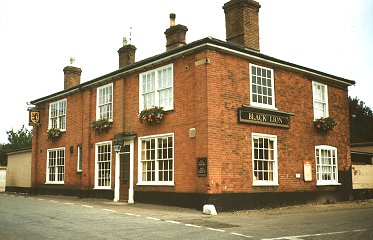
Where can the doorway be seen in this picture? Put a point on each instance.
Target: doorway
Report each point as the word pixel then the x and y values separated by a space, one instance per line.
pixel 124 172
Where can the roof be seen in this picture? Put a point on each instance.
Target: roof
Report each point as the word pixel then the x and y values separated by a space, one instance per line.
pixel 19 150
pixel 224 46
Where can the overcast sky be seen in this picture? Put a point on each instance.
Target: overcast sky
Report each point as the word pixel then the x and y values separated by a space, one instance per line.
pixel 37 39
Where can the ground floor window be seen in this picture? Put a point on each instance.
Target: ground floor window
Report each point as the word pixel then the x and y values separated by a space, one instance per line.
pixel 156 160
pixel 56 166
pixel 103 165
pixel 326 165
pixel 264 159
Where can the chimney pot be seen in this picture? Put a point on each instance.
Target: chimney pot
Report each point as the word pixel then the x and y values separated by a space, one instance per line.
pixel 172 19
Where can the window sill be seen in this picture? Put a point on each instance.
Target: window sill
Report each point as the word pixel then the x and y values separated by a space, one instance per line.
pixel 269 184
pixel 54 183
pixel 266 107
pixel 102 188
pixel 328 184
pixel 171 184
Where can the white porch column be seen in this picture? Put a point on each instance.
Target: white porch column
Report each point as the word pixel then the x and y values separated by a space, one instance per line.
pixel 116 180
pixel 130 190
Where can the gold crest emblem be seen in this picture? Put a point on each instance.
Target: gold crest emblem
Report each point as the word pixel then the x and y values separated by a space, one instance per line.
pixel 34 118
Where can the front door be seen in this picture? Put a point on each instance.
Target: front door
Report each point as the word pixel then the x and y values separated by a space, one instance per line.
pixel 124 172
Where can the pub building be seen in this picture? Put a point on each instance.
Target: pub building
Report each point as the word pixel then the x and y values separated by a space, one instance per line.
pixel 207 122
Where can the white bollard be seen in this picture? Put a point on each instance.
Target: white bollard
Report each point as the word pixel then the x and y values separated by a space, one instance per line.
pixel 209 209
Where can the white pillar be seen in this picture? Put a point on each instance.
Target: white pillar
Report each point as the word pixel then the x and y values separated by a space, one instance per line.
pixel 116 181
pixel 130 190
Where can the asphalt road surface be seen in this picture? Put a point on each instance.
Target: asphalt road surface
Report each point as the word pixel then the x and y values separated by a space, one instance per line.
pixel 53 217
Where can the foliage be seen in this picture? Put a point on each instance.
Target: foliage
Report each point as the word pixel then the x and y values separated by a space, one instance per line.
pixel 101 125
pixel 325 124
pixel 151 115
pixel 361 121
pixel 53 133
pixel 16 140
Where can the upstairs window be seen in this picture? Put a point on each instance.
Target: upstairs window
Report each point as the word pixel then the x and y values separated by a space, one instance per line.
pixel 57 115
pixel 262 91
pixel 156 88
pixel 326 165
pixel 320 100
pixel 105 102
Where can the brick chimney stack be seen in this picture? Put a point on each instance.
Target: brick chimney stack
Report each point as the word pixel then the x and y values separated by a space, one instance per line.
pixel 71 75
pixel 242 23
pixel 175 35
pixel 126 54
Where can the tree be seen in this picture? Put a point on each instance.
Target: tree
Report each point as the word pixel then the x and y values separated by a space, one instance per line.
pixel 361 121
pixel 16 140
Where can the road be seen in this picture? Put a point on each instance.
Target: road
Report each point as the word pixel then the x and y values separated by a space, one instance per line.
pixel 53 217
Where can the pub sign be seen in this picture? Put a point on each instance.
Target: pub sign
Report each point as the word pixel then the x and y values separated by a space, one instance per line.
pixel 251 115
pixel 34 117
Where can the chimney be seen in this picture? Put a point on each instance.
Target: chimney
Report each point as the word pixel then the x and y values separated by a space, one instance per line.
pixel 242 23
pixel 175 35
pixel 126 54
pixel 71 75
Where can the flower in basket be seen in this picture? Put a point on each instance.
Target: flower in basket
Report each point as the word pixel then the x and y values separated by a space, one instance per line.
pixel 101 124
pixel 151 115
pixel 325 124
pixel 53 133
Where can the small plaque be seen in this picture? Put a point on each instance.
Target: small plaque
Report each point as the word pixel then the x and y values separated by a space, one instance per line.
pixel 202 167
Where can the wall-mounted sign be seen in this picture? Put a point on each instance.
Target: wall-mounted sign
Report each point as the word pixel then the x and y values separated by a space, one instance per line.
pixel 307 168
pixel 202 167
pixel 34 117
pixel 250 115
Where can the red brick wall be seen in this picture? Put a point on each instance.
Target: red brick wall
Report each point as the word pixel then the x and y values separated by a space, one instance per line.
pixel 206 97
pixel 230 143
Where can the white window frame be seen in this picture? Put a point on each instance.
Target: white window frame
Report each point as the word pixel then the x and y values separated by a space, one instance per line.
pixel 79 158
pixel 109 144
pixel 56 167
pixel 157 89
pixel 272 87
pixel 109 102
pixel 333 174
pixel 61 115
pixel 157 160
pixel 315 86
pixel 257 182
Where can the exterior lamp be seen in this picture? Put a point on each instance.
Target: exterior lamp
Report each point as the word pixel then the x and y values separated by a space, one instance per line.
pixel 117 146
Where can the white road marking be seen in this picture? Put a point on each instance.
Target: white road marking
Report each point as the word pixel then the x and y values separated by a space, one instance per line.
pixel 53 201
pixel 316 234
pixel 41 199
pixel 153 218
pixel 87 206
pixel 215 229
pixel 108 210
pixel 174 222
pixel 241 235
pixel 191 225
pixel 68 203
pixel 131 214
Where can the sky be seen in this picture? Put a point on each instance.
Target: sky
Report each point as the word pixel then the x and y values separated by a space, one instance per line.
pixel 37 39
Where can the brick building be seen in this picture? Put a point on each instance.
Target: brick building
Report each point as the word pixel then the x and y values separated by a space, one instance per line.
pixel 238 128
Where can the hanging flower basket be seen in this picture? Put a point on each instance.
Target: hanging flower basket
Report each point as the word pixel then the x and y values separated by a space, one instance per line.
pixel 53 134
pixel 325 124
pixel 101 125
pixel 151 115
